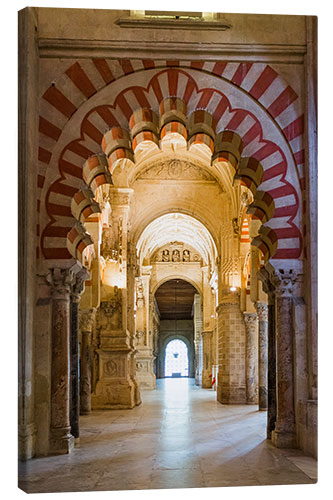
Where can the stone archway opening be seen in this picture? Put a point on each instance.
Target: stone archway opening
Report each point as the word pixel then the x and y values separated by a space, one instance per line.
pixel 176 301
pixel 176 362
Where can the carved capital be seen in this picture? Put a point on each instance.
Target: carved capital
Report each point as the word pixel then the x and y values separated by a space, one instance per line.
pixel 60 281
pixel 251 320
pixel 283 282
pixel 262 311
pixel 78 284
pixel 87 319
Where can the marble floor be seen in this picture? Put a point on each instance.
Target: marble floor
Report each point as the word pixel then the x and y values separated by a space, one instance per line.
pixel 180 437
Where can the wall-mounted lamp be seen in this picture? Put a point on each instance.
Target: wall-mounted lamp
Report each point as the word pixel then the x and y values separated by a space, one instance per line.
pixel 232 289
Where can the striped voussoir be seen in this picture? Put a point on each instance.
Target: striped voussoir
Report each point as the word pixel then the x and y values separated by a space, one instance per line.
pixel 77 240
pixel 262 207
pixel 83 204
pixel 116 144
pixel 257 80
pixel 95 172
pixel 245 232
pixel 249 174
pixel 266 242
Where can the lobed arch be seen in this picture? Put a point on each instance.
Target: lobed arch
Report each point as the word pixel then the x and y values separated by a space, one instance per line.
pixel 79 148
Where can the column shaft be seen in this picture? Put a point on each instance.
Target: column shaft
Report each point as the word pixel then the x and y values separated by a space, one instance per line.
pixel 271 378
pixel 61 439
pixel 87 318
pixel 75 375
pixel 284 434
pixel 262 311
pixel 251 358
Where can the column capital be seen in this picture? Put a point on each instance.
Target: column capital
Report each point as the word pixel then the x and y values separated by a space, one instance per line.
pixel 262 311
pixel 120 197
pixel 61 282
pixel 250 319
pixel 78 284
pixel 86 319
pixel 283 282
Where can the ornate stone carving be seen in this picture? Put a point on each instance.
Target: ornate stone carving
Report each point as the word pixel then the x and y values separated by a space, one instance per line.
pixel 110 368
pixel 86 319
pixel 110 244
pixel 283 282
pixel 61 281
pixel 176 169
pixel 140 300
pixel 111 312
pixel 262 311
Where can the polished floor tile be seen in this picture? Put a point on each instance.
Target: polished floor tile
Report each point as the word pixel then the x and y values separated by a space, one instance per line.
pixel 180 437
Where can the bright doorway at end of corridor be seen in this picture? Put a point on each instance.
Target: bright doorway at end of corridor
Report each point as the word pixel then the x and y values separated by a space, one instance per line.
pixel 176 359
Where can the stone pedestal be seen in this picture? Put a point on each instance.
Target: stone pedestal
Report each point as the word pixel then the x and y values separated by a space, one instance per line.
pixel 251 324
pixel 284 435
pixel 61 439
pixel 87 318
pixel 231 386
pixel 262 311
pixel 145 368
pixel 207 337
pixel 115 387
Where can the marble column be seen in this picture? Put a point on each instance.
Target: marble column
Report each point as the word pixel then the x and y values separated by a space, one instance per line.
pixel 262 311
pixel 197 319
pixel 61 439
pixel 76 291
pixel 87 318
pixel 251 325
pixel 207 338
pixel 284 435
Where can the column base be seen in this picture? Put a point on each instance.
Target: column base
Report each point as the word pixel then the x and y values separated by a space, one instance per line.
pixel 61 441
pixel 207 379
pixel 145 375
pixel 283 439
pixel 26 441
pixel 115 394
pixel 263 405
pixel 231 395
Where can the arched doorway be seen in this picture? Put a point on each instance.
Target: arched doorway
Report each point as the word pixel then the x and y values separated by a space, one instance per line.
pixel 175 301
pixel 176 359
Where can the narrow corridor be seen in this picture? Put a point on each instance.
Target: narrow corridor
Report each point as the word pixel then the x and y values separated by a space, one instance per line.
pixel 180 437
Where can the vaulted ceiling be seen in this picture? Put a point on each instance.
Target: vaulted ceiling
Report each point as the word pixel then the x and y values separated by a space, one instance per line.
pixel 175 299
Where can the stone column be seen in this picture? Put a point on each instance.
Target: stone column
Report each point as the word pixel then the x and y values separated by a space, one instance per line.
pixel 284 434
pixel 144 333
pixel 207 338
pixel 87 319
pixel 197 319
pixel 271 339
pixel 251 324
pixel 61 439
pixel 262 311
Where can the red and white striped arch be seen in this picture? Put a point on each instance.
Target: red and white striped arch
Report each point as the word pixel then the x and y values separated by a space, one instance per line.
pixel 250 99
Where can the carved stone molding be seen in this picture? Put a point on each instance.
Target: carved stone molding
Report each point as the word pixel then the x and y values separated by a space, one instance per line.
pixel 87 319
pixel 262 311
pixel 176 169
